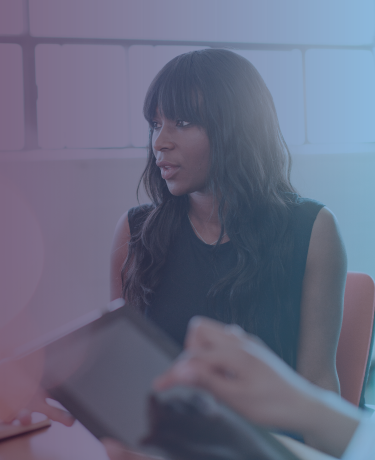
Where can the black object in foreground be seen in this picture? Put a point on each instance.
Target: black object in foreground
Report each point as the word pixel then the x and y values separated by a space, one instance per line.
pixel 188 423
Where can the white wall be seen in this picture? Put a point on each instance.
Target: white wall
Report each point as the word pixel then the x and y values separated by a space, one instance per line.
pixel 345 183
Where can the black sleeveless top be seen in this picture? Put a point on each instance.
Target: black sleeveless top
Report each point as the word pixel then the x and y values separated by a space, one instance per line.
pixel 189 274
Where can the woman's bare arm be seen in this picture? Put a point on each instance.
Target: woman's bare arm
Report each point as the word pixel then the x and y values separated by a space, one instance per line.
pixel 119 252
pixel 322 303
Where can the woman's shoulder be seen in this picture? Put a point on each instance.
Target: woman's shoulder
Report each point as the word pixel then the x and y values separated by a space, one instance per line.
pixel 304 212
pixel 137 215
pixel 298 202
pixel 302 206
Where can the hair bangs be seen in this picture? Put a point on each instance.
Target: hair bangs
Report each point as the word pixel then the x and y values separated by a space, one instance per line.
pixel 175 92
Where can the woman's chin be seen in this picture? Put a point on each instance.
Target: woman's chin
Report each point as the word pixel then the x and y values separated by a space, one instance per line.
pixel 175 190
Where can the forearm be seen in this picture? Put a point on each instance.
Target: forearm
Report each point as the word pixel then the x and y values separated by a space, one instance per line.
pixel 241 372
pixel 326 421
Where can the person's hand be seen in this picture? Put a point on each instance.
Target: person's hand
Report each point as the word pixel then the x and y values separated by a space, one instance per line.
pixel 242 372
pixel 247 376
pixel 39 404
pixel 117 451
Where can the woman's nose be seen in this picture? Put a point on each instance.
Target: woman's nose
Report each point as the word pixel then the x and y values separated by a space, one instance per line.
pixel 162 139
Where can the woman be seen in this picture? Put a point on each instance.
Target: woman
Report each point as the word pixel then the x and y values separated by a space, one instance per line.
pixel 226 236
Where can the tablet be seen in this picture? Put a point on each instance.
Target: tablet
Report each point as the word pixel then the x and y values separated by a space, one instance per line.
pixel 101 369
pixel 102 372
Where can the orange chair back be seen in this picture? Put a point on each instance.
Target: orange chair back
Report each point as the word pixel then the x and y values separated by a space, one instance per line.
pixel 356 337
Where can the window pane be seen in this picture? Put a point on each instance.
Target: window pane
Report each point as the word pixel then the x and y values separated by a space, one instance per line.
pixel 12 17
pixel 238 21
pixel 82 96
pixel 340 96
pixel 144 63
pixel 282 73
pixel 11 98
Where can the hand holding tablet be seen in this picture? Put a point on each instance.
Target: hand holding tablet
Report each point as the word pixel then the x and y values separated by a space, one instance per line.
pixel 102 369
pixel 105 369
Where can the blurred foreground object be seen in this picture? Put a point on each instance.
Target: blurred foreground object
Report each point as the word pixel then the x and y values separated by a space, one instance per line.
pixel 188 423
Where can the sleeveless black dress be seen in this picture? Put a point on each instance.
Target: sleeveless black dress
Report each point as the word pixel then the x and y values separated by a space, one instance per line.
pixel 189 274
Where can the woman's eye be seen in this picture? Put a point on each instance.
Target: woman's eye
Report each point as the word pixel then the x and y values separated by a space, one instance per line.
pixel 155 125
pixel 182 123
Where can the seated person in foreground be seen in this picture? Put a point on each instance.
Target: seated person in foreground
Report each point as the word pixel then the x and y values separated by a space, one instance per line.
pixel 243 373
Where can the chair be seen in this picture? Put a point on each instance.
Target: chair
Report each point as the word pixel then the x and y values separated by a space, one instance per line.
pixel 356 339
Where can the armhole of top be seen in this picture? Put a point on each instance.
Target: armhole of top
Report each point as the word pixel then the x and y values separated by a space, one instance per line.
pixel 305 215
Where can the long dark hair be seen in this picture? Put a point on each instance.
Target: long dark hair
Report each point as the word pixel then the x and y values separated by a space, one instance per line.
pixel 249 176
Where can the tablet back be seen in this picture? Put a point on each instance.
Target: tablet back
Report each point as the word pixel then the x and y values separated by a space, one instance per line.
pixel 103 373
pixel 102 370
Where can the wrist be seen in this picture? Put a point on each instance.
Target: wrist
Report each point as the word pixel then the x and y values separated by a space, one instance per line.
pixel 302 412
pixel 329 422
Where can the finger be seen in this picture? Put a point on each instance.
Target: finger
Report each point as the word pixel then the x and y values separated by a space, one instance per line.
pixel 24 417
pixel 57 415
pixel 234 330
pixel 227 339
pixel 218 383
pixel 224 361
pixel 198 370
pixel 205 333
pixel 195 337
pixel 39 404
pixel 178 374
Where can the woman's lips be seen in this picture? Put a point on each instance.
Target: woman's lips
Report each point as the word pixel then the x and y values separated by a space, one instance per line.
pixel 168 171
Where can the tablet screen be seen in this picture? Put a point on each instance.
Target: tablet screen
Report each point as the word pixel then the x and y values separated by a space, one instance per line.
pixel 103 373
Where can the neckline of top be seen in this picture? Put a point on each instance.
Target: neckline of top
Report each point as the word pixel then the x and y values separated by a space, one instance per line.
pixel 198 240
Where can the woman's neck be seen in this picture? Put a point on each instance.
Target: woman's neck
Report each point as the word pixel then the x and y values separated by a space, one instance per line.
pixel 204 218
pixel 203 208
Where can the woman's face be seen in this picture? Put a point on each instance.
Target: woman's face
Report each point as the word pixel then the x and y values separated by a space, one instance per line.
pixel 182 152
